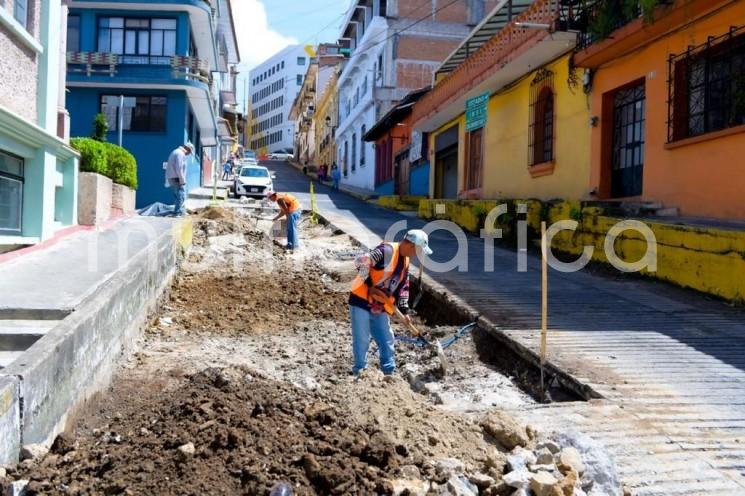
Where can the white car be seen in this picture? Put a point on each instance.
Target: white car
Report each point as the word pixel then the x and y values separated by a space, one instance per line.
pixel 248 162
pixel 281 156
pixel 253 180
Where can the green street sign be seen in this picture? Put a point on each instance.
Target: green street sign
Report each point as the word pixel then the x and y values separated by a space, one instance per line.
pixel 476 112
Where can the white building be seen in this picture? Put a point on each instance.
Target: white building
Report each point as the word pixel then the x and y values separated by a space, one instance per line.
pixel 396 46
pixel 274 84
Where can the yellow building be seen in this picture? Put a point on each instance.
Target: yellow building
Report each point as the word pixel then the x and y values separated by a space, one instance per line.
pixel 511 122
pixel 326 119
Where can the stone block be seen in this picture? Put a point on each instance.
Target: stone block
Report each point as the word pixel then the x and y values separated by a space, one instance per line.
pixel 123 199
pixel 94 199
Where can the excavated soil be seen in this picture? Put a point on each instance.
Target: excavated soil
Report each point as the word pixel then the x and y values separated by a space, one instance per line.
pixel 243 381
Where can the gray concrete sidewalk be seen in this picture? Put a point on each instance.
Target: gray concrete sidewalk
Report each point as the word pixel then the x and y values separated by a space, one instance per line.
pixel 670 364
pixel 53 281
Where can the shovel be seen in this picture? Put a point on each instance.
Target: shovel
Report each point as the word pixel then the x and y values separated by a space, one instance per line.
pixel 435 345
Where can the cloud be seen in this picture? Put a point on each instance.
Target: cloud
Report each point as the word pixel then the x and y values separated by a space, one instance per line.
pixel 256 40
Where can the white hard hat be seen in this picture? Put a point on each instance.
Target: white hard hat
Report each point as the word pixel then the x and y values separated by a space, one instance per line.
pixel 269 193
pixel 189 147
pixel 420 239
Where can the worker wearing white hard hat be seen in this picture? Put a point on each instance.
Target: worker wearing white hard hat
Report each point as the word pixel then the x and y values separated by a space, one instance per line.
pixel 381 289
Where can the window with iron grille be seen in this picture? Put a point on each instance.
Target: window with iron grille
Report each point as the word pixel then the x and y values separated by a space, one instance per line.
pixel 542 110
pixel 706 87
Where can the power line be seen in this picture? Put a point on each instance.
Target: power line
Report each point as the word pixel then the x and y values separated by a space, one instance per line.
pixel 418 21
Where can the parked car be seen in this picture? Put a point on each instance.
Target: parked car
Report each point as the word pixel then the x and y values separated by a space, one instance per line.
pixel 281 156
pixel 249 154
pixel 253 180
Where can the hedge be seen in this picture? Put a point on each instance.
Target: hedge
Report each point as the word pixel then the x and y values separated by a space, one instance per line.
pixel 122 165
pixel 107 159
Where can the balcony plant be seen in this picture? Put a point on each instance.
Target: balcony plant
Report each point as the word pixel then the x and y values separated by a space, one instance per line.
pixel 609 15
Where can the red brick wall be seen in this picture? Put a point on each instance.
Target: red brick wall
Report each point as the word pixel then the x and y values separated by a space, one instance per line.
pixel 413 76
pixel 419 48
pixel 456 13
pixel 416 9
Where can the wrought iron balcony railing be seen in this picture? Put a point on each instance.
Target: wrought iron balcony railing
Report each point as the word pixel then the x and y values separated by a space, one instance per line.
pixel 600 18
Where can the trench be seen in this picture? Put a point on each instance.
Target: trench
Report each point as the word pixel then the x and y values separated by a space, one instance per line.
pixel 500 353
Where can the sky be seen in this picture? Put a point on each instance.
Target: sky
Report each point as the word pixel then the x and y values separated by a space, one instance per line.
pixel 264 27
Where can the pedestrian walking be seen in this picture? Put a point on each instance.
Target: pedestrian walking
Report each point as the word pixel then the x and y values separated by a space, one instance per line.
pixel 289 207
pixel 322 173
pixel 381 285
pixel 227 169
pixel 335 176
pixel 176 175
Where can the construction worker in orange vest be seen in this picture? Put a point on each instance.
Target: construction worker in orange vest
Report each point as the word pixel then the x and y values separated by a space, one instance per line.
pixel 382 283
pixel 289 207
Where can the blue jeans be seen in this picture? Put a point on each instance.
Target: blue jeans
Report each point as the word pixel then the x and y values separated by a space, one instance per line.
pixel 293 240
pixel 336 184
pixel 378 326
pixel 179 194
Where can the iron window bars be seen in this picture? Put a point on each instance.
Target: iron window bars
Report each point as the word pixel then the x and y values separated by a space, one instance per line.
pixel 706 86
pixel 542 108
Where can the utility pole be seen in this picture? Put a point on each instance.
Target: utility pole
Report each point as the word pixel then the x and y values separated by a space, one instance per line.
pixel 121 118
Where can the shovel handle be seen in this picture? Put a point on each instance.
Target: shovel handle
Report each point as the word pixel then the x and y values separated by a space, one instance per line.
pixel 416 332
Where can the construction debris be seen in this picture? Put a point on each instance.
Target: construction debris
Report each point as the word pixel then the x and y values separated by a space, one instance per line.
pixel 242 386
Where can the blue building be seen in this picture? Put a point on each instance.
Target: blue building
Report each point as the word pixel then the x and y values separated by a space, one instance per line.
pixel 162 68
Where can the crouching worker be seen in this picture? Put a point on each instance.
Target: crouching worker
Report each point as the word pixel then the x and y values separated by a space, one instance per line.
pixel 289 207
pixel 382 283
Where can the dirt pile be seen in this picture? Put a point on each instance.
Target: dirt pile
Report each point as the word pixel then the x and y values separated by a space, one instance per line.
pixel 224 431
pixel 254 301
pixel 189 414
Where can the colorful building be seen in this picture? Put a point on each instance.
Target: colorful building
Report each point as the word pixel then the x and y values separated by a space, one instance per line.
pixel 157 67
pixel 668 100
pixel 395 47
pixel 38 170
pixel 508 117
pixel 326 119
pixel 401 161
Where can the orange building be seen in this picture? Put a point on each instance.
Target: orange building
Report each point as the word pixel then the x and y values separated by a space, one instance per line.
pixel 668 105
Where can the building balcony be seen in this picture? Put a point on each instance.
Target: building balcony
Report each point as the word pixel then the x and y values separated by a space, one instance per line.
pixel 88 66
pixel 613 28
pixel 528 41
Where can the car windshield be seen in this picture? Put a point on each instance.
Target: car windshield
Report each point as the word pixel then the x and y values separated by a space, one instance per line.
pixel 252 172
pixel 250 154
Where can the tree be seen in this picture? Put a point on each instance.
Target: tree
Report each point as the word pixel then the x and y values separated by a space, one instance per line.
pixel 100 127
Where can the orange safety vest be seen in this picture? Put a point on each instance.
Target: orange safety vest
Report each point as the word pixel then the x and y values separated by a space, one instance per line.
pixel 290 202
pixel 387 279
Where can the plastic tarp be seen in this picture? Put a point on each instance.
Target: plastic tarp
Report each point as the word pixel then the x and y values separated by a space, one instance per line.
pixel 157 210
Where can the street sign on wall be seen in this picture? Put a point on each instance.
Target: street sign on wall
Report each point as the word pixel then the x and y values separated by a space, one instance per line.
pixel 476 112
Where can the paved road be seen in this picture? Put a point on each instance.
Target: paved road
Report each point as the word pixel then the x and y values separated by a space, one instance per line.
pixel 670 364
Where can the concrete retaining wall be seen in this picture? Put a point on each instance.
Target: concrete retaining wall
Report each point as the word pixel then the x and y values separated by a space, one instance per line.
pixel 702 258
pixel 10 419
pixel 77 357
